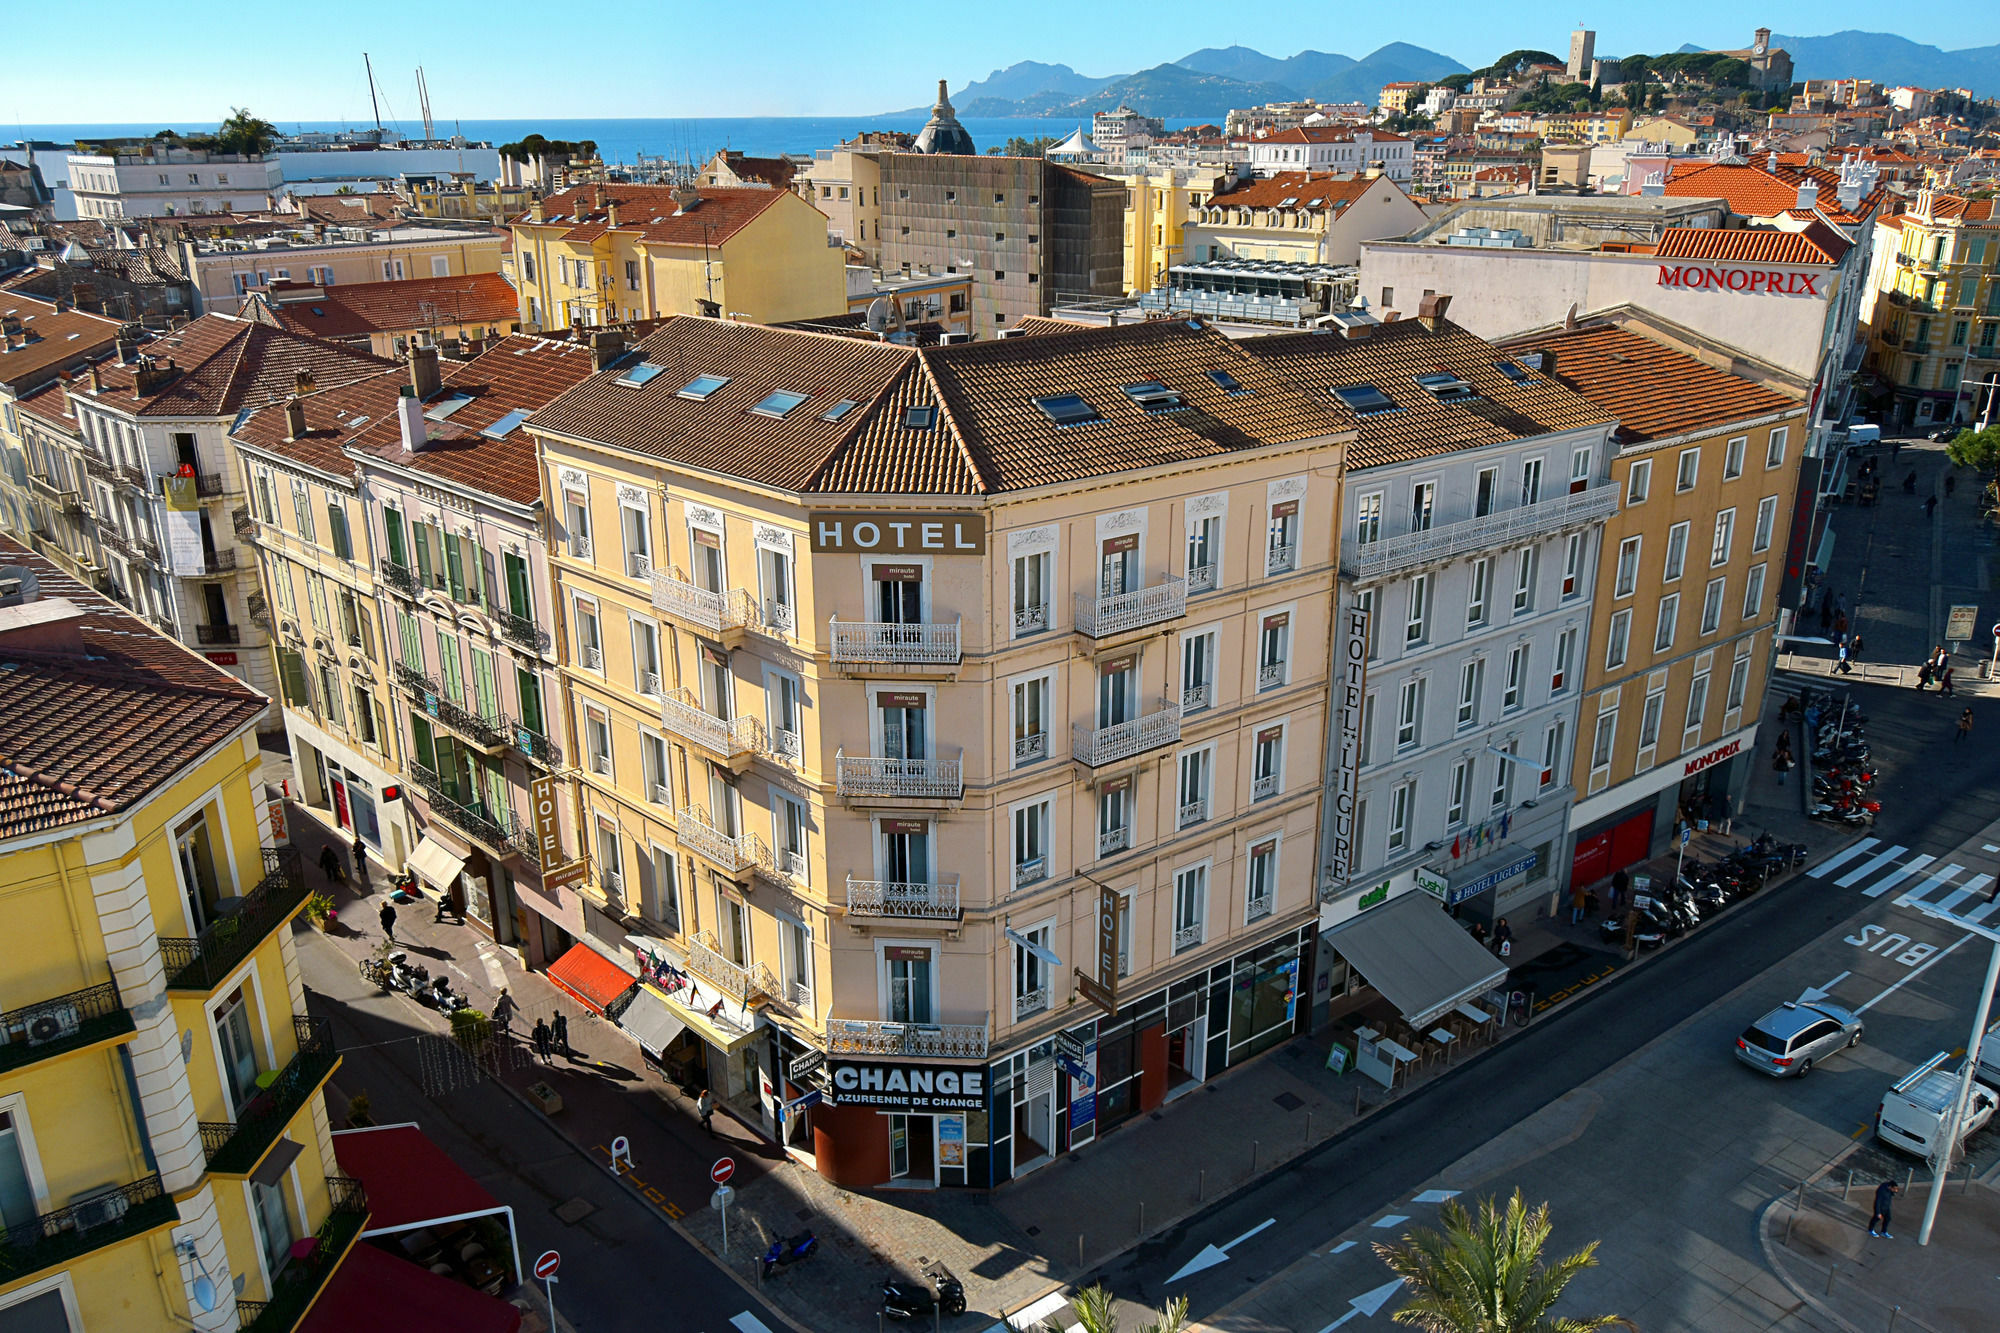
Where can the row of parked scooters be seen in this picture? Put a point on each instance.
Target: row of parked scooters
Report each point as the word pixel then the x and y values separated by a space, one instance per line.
pixel 398 973
pixel 1701 890
pixel 1843 776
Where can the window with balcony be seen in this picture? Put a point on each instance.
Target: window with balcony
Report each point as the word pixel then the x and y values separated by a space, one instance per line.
pixel 1471 685
pixel 1281 541
pixel 777 597
pixel 653 769
pixel 1368 519
pixel 1260 881
pixel 1687 470
pixel 576 523
pixel 1677 546
pixel 1196 786
pixel 1204 553
pixel 1485 492
pixel 1416 625
pixel 646 657
pixel 788 834
pixel 1118 565
pixel 1479 592
pixel 908 983
pixel 1663 633
pixel 903 722
pixel 1410 714
pixel 1032 700
pixel 1458 793
pixel 1198 672
pixel 1725 535
pixel 1190 906
pixel 1639 481
pixel 597 741
pixel 235 1037
pixel 589 638
pixel 1034 593
pixel 1267 763
pixel 784 698
pixel 1114 817
pixel 1711 605
pixel 636 527
pixel 1033 836
pixel 1423 505
pixel 1032 991
pixel 1274 640
pixel 194 857
pixel 732 925
pixel 1559 677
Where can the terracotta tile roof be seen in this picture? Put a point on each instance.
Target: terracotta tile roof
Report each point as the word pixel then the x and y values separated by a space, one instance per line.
pixel 51 404
pixel 650 211
pixel 103 711
pixel 987 436
pixel 1308 192
pixel 515 374
pixel 53 338
pixel 1653 390
pixel 359 309
pixel 1817 244
pixel 776 172
pixel 349 210
pixel 1420 425
pixel 1965 210
pixel 227 364
pixel 1755 191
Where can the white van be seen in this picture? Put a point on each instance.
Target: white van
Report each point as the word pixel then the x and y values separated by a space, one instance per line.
pixel 1913 1112
pixel 1864 432
pixel 1989 1058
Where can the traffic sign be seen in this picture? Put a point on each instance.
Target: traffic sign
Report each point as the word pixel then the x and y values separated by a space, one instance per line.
pixel 724 1168
pixel 547 1265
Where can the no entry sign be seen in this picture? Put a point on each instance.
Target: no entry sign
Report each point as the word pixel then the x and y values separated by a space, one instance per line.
pixel 723 1169
pixel 547 1265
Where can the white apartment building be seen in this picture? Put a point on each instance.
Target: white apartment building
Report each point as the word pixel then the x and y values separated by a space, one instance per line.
pixel 1338 148
pixel 171 182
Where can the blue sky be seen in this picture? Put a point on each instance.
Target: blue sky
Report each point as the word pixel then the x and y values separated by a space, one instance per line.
pixel 192 60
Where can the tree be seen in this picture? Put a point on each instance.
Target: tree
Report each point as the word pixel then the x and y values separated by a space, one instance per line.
pixel 1097 1312
pixel 1485 1274
pixel 1035 147
pixel 244 133
pixel 1976 449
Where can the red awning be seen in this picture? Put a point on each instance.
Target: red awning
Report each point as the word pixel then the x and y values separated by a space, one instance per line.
pixel 591 977
pixel 410 1180
pixel 375 1289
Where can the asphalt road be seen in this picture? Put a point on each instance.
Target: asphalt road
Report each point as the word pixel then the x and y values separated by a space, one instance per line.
pixel 622 1267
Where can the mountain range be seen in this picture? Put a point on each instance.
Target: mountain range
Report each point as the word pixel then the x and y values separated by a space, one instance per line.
pixel 1893 60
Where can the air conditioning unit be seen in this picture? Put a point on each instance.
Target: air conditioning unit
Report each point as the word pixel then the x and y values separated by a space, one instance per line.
pixel 53 1024
pixel 101 1207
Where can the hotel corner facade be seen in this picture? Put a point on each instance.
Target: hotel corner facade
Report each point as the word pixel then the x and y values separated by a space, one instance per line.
pixel 948 726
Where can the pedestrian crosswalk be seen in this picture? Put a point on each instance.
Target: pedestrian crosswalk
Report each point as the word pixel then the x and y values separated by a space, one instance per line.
pixel 1878 869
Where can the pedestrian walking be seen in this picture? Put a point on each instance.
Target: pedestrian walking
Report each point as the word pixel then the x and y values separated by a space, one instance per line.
pixel 1944 681
pixel 1896 448
pixel 1620 882
pixel 1721 818
pixel 389 922
pixel 560 1034
pixel 329 864
pixel 1930 505
pixel 1840 624
pixel 443 906
pixel 542 1035
pixel 1782 761
pixel 1964 725
pixel 1826 617
pixel 1854 646
pixel 1923 677
pixel 1843 666
pixel 705 1108
pixel 1503 938
pixel 360 860
pixel 503 1011
pixel 1878 1221
pixel 1938 659
pixel 1576 905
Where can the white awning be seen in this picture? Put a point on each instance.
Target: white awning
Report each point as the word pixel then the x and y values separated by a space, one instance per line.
pixel 1421 960
pixel 651 1022
pixel 436 864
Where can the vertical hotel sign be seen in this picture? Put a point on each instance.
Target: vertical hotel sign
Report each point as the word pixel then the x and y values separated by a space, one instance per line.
pixel 1102 989
pixel 548 835
pixel 1353 686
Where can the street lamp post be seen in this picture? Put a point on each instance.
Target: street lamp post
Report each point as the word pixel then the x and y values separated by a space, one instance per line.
pixel 1963 1098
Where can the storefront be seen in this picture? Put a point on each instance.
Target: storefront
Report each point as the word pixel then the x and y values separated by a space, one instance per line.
pixel 721 1043
pixel 1415 956
pixel 475 884
pixel 1634 821
pixel 348 789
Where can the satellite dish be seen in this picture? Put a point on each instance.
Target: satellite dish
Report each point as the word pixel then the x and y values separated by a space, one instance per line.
pixel 878 314
pixel 204 1293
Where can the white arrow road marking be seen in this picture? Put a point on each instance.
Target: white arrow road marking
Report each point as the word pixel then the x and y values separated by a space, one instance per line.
pixel 1913 974
pixel 1813 994
pixel 1897 876
pixel 1343 1247
pixel 750 1323
pixel 1368 1303
pixel 1923 890
pixel 1868 867
pixel 1841 858
pixel 1031 1316
pixel 1991 848
pixel 1439 1196
pixel 1214 1254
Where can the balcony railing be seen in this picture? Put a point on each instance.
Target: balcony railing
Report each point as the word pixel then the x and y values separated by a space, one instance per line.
pixel 1508 527
pixel 106 1217
pixel 681 713
pixel 1122 740
pixel 1193 812
pixel 137 478
pixel 1031 1002
pixel 399 578
pixel 1257 908
pixel 201 964
pixel 786 746
pixel 100 468
pixel 865 775
pixel 50 487
pixel 1281 559
pixel 207 485
pixel 244 522
pixel 1030 872
pixel 218 634
pixel 234 1147
pixel 494 828
pixel 1187 937
pixel 889 897
pixel 1263 787
pixel 519 629
pixel 779 619
pixel 713 611
pixel 780 865
pixel 48 1028
pixel 1031 619
pixel 213 562
pixel 1028 749
pixel 1112 841
pixel 299 1283
pixel 1201 578
pixel 879 642
pixel 536 746
pixel 1194 698
pixel 1114 613
pixel 1270 675
pixel 592 658
pixel 735 980
pixel 697 832
pixel 868 1036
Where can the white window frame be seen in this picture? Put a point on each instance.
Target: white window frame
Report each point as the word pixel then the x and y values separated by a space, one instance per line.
pixel 1553 754
pixel 1458 793
pixel 1767 523
pixel 1276 845
pixel 1514 686
pixel 1526 563
pixel 1667 627
pixel 585 608
pixel 1212 684
pixel 1402 815
pixel 1604 741
pixel 1687 470
pixel 1677 544
pixel 1639 482
pixel 1022 547
pixel 1410 714
pixel 1416 622
pixel 1565 661
pixel 1712 598
pixel 1732 456
pixel 781 801
pixel 638 628
pixel 1739 683
pixel 1479 594
pixel 655 777
pixel 1572 582
pixel 1284 646
pixel 645 515
pixel 1202 759
pixel 1625 581
pixel 1724 540
pixel 1753 592
pixel 592 713
pixel 1368 519
pixel 1277 773
pixel 1034 817
pixel 1471 686
pixel 1017 686
pixel 1774 448
pixel 1697 710
pixel 1198 874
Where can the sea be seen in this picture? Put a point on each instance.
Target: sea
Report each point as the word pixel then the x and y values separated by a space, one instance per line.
pixel 695 138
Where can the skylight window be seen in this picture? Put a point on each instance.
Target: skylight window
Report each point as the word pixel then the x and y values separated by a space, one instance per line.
pixel 1288 201
pixel 839 410
pixel 779 403
pixel 447 406
pixel 1364 398
pixel 701 386
pixel 1153 396
pixel 1512 371
pixel 1066 409
pixel 499 429
pixel 1228 383
pixel 638 374
pixel 1442 384
pixel 919 418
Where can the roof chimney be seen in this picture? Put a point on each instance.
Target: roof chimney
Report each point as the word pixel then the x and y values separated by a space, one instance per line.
pixel 295 418
pixel 96 379
pixel 302 380
pixel 536 213
pixel 611 212
pixel 424 370
pixel 1431 310
pixel 126 348
pixel 410 413
pixel 686 199
pixel 1772 161
pixel 606 346
pixel 1808 194
pixel 1356 332
pixel 1391 316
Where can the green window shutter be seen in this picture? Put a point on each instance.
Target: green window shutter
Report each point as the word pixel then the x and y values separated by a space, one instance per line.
pixel 422 533
pixel 454 564
pixel 336 526
pixel 489 585
pixel 451 669
pixel 486 698
pixel 392 523
pixel 422 743
pixel 292 672
pixel 518 600
pixel 529 686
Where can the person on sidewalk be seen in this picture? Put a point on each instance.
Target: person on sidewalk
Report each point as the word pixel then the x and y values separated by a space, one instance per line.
pixel 1964 725
pixel 1576 904
pixel 705 1108
pixel 1944 680
pixel 1781 759
pixel 1878 1221
pixel 329 865
pixel 360 860
pixel 1720 816
pixel 1839 624
pixel 1826 617
pixel 1930 506
pixel 1842 665
pixel 559 1034
pixel 389 922
pixel 1621 884
pixel 543 1036
pixel 503 1011
pixel 1503 938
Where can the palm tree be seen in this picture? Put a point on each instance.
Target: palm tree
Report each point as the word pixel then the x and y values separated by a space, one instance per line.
pixel 1097 1312
pixel 1487 1275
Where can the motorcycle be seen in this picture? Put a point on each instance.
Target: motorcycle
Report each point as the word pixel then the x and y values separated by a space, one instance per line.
pixel 407 977
pixel 913 1300
pixel 788 1251
pixel 440 996
pixel 1842 812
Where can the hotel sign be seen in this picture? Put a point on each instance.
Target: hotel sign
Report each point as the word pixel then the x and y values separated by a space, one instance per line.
pixel 548 833
pixel 1755 281
pixel 899 533
pixel 1102 989
pixel 1351 684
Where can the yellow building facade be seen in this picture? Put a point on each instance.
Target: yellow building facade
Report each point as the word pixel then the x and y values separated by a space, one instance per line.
pixel 1157 208
pixel 1935 326
pixel 604 254
pixel 162 1137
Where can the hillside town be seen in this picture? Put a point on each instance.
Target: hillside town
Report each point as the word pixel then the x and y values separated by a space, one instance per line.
pixel 628 716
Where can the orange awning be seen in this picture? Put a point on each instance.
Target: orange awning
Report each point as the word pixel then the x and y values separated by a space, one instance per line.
pixel 591 977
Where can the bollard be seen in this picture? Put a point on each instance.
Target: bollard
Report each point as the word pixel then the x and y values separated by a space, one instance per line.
pixel 1253 1157
pixel 1200 1184
pixel 1309 1129
pixel 1079 1250
pixel 1142 1218
pixel 1910 1180
pixel 1831 1274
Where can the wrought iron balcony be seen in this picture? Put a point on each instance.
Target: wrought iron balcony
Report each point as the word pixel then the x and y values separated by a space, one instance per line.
pixel 1031 619
pixel 1257 908
pixel 536 746
pixel 1187 937
pixel 1104 614
pixel 715 612
pixel 212 562
pixel 1194 698
pixel 235 1147
pixel 888 897
pixel 1193 812
pixel 48 1028
pixel 104 1217
pixel 1029 749
pixel 868 1036
pixel 100 468
pixel 870 642
pixel 202 963
pixel 681 713
pixel 786 747
pixel 1264 787
pixel 218 634
pixel 698 833
pixel 1509 527
pixel 494 828
pixel 1121 740
pixel 137 477
pixel 1029 1003
pixel 1270 675
pixel 399 578
pixel 109 535
pixel 244 522
pixel 1112 841
pixel 740 983
pixel 207 485
pixel 864 775
pixel 298 1284
pixel 260 611
pixel 519 629
pixel 1281 559
pixel 779 865
pixel 1201 578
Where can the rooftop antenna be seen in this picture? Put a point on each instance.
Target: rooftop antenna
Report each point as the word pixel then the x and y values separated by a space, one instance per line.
pixel 424 102
pixel 370 67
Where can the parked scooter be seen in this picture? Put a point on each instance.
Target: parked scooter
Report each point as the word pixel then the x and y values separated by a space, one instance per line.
pixel 914 1300
pixel 410 978
pixel 788 1251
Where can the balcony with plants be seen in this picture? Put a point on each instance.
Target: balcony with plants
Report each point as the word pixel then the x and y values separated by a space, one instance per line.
pixel 236 1147
pixel 202 963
